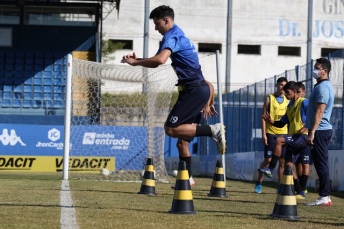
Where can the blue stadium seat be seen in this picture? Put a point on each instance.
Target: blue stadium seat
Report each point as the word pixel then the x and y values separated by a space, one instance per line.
pixel 17 88
pixel 7 88
pixel 36 104
pixel 58 68
pixel 58 96
pixel 19 74
pixel 18 67
pixel 39 74
pixel 8 74
pixel 7 95
pixel 29 54
pixel 27 88
pixel 39 54
pixel 47 89
pixel 9 67
pixel 48 96
pixel 29 60
pixel 2 67
pixel 10 54
pixel 17 81
pixel 8 81
pixel 6 103
pixel 48 68
pixel 38 81
pixel 57 104
pixel 28 74
pixel 58 75
pixel 39 61
pixel 17 95
pixel 48 74
pixel 48 54
pixel 59 62
pixel 28 67
pixel 9 60
pixel 27 95
pixel 48 81
pixel 37 95
pixel 58 82
pixel 19 60
pixel 58 89
pixel 38 67
pixel 2 60
pixel 2 54
pixel 38 88
pixel 28 81
pixel 27 104
pixel 20 54
pixel 47 104
pixel 16 103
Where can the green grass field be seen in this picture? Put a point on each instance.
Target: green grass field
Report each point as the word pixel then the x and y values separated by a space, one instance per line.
pixel 33 201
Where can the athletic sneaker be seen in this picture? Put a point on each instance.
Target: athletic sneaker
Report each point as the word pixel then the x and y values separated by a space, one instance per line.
pixel 321 201
pixel 266 171
pixel 192 183
pixel 258 188
pixel 300 195
pixel 218 134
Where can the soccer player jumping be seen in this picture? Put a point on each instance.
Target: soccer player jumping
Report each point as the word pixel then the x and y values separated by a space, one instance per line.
pixel 195 93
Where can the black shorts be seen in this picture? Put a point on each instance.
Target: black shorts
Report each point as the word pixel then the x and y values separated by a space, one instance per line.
pixel 269 149
pixel 191 101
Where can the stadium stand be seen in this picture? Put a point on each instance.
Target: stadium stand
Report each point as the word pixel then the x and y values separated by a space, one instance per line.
pixel 33 81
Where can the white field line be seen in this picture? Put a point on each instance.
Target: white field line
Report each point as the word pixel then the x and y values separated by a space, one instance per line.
pixel 68 217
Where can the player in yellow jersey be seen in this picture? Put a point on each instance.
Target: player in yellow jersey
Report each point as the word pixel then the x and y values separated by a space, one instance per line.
pixel 303 162
pixel 276 104
pixel 297 134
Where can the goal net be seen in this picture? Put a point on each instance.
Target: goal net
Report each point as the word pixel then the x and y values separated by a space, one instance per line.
pixel 117 116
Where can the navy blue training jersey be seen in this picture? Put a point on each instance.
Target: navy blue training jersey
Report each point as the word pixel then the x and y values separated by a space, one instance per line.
pixel 184 56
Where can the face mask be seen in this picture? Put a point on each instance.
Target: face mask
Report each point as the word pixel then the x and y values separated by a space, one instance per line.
pixel 315 73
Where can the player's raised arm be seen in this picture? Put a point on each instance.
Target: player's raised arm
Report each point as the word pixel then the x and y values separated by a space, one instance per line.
pixel 151 62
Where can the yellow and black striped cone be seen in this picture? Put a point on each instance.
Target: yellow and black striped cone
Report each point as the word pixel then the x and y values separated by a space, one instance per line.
pixel 286 208
pixel 218 186
pixel 148 182
pixel 276 202
pixel 182 198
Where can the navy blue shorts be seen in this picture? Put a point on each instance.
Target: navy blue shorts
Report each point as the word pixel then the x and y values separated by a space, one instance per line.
pixel 191 101
pixel 304 157
pixel 269 149
pixel 297 149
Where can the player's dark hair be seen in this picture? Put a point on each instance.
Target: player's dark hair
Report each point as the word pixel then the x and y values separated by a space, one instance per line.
pixel 325 64
pixel 291 85
pixel 301 85
pixel 161 12
pixel 282 79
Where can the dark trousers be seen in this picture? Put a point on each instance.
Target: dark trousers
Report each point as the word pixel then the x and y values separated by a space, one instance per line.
pixel 320 158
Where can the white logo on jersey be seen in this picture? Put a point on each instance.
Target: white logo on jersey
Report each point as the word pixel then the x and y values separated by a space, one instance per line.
pixel 11 139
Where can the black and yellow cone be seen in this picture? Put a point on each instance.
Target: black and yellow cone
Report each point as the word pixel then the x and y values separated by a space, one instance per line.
pixel 148 182
pixel 286 208
pixel 182 198
pixel 276 202
pixel 218 186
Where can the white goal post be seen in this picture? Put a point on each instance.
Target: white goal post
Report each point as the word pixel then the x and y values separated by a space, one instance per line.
pixel 114 119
